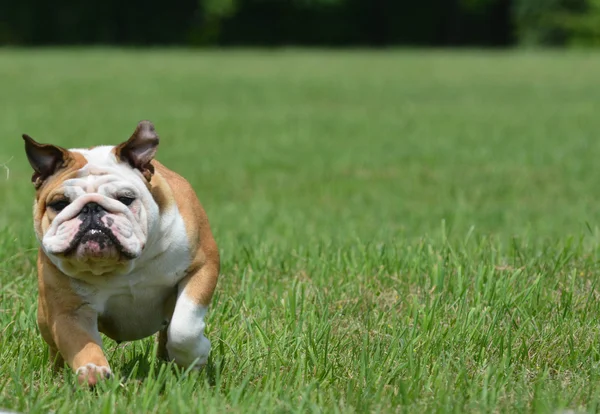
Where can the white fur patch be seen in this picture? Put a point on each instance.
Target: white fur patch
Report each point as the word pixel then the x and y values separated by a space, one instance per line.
pixel 186 343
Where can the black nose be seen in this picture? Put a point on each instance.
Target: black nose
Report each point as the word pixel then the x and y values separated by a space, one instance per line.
pixel 92 208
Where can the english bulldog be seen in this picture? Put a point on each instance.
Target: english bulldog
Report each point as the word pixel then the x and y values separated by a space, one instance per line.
pixel 125 248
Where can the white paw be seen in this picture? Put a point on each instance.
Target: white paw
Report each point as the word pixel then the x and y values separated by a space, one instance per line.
pixel 90 374
pixel 186 343
pixel 192 352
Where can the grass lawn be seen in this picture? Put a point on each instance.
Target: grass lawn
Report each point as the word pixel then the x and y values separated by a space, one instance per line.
pixel 400 231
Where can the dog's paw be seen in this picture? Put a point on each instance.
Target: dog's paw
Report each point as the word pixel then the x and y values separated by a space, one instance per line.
pixel 189 353
pixel 186 343
pixel 90 374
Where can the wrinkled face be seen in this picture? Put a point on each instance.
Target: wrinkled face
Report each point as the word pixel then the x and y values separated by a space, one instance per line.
pixel 93 208
pixel 98 217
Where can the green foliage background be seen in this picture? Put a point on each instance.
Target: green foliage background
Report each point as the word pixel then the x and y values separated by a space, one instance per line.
pixel 497 23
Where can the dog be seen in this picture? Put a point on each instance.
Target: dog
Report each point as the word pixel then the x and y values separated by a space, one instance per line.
pixel 125 249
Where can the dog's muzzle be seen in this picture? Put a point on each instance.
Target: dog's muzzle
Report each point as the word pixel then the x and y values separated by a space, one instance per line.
pixel 93 230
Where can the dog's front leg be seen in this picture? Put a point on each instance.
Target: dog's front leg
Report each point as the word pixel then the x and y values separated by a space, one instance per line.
pixel 69 325
pixel 78 341
pixel 76 336
pixel 186 343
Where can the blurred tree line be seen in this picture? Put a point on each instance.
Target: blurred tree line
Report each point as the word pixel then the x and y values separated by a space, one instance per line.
pixel 301 22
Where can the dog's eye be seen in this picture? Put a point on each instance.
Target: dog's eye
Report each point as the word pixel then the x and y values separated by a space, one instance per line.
pixel 59 205
pixel 126 200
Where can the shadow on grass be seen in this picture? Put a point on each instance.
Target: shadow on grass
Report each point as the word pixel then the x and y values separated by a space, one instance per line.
pixel 147 365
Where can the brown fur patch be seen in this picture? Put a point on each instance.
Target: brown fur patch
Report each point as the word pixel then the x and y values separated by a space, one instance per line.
pixel 49 188
pixel 187 202
pixel 160 189
pixel 74 162
pixel 203 272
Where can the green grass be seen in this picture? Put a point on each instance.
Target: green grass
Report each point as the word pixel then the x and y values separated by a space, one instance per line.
pixel 400 231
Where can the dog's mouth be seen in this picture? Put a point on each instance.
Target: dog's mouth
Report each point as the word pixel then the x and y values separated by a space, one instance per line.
pixel 96 241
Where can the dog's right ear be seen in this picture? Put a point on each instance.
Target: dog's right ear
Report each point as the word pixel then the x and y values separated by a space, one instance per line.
pixel 45 159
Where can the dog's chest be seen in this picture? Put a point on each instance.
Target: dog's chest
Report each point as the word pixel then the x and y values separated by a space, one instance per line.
pixel 138 305
pixel 130 314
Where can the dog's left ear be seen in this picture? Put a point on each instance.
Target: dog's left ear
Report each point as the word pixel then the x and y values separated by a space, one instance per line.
pixel 139 150
pixel 45 159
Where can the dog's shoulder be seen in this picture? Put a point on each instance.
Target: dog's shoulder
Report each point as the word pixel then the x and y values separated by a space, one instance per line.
pixel 169 189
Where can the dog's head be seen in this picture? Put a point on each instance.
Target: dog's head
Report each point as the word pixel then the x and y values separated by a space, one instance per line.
pixel 93 208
